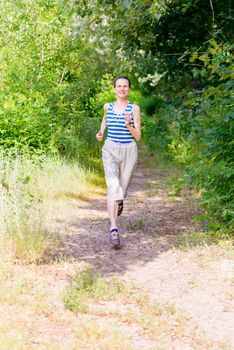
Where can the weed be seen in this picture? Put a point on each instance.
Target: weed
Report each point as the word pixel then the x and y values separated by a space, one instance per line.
pixel 171 309
pixel 136 225
pixel 89 293
pixel 89 285
pixel 195 239
pixel 91 335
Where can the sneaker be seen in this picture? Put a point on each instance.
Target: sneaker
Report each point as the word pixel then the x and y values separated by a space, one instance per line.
pixel 114 238
pixel 120 208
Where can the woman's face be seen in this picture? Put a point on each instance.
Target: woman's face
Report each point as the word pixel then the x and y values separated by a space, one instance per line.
pixel 122 88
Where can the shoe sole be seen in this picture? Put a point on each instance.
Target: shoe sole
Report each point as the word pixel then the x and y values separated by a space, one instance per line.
pixel 116 246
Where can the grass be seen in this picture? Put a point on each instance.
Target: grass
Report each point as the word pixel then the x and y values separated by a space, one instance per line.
pixel 12 337
pixel 116 316
pixel 27 183
pixel 20 287
pixel 101 313
pixel 25 305
pixel 90 293
pixel 122 306
pixel 89 285
pixel 194 239
pixel 92 335
pixel 23 298
pixel 136 225
pixel 60 179
pixel 166 174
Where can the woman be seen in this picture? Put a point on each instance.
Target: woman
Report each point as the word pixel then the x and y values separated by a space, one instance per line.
pixel 119 153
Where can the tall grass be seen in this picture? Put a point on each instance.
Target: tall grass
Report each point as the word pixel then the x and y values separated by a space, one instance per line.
pixel 26 183
pixel 59 179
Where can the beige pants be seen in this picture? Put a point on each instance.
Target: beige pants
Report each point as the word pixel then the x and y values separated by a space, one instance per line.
pixel 119 162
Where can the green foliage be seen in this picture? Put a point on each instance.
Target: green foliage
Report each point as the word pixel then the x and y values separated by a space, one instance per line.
pixel 89 285
pixel 151 104
pixel 46 82
pixel 222 238
pixel 211 163
pixel 199 133
pixel 189 72
pixel 58 60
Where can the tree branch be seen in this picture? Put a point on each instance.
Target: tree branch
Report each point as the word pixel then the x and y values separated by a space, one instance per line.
pixel 212 9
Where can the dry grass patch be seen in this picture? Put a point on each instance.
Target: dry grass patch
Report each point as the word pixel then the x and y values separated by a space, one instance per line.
pixel 61 179
pixel 112 301
pixel 27 184
pixel 191 240
pixel 20 287
pixel 93 335
pixel 12 335
pixel 89 293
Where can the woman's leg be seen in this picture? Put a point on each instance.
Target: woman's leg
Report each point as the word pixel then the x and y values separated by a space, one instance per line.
pixel 112 207
pixel 127 166
pixel 114 234
pixel 111 161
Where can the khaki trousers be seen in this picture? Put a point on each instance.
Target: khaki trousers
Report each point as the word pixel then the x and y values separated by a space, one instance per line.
pixel 119 161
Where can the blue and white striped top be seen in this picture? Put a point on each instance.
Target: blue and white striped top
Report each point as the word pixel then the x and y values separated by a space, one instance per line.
pixel 117 130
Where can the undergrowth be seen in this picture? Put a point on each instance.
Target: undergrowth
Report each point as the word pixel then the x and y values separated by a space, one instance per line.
pixel 27 183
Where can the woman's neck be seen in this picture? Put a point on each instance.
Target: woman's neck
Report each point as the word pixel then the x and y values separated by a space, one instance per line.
pixel 121 101
pixel 120 105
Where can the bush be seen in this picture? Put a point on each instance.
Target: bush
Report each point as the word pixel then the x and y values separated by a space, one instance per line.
pixel 199 132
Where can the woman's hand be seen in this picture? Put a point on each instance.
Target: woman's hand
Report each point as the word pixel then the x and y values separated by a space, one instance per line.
pixel 136 130
pixel 128 118
pixel 99 135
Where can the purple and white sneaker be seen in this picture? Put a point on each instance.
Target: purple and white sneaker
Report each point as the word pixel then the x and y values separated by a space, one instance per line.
pixel 114 238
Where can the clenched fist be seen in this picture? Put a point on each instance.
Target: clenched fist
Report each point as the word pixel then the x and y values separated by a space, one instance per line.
pixel 99 135
pixel 128 118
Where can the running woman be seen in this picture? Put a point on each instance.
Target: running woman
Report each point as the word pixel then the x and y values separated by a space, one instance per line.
pixel 119 153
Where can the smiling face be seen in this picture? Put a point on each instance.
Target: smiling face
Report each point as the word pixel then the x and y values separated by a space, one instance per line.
pixel 122 88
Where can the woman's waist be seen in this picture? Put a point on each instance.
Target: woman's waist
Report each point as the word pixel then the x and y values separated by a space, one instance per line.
pixel 120 142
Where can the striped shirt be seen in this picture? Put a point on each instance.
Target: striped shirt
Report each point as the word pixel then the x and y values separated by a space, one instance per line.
pixel 117 130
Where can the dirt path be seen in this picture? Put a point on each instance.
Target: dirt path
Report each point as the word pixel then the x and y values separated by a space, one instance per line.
pixel 197 281
pixel 191 292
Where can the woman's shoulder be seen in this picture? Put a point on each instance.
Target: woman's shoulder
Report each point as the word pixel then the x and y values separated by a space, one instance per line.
pixel 135 109
pixel 135 106
pixel 106 106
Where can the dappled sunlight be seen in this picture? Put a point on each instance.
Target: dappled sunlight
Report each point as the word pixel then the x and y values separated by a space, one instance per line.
pixel 170 283
pixel 144 220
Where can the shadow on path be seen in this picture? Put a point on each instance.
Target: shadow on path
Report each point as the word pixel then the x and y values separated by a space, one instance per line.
pixel 149 220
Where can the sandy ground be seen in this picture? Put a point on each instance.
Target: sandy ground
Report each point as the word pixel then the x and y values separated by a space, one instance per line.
pixel 198 281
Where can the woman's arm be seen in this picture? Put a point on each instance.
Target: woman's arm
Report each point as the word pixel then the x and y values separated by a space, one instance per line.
pixel 136 130
pixel 100 133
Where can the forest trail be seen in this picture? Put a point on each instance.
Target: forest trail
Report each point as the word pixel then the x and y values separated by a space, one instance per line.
pixel 193 288
pixel 197 281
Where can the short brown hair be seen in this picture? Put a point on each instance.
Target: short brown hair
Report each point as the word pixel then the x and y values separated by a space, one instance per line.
pixel 122 77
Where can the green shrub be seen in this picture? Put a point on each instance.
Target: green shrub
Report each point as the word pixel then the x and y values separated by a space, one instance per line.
pixel 198 132
pixel 150 105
